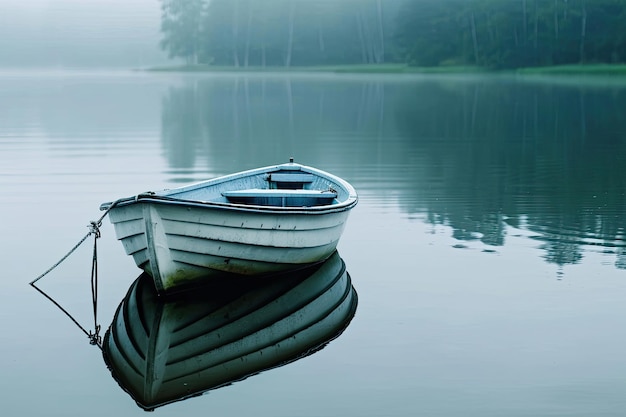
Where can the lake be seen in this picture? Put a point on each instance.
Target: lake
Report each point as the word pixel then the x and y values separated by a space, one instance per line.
pixel 487 249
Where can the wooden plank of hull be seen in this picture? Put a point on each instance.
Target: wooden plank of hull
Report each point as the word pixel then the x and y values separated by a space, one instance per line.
pixel 128 218
pixel 279 237
pixel 188 243
pixel 181 234
pixel 162 351
pixel 252 219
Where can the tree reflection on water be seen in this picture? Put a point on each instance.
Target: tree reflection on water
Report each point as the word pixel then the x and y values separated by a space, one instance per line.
pixel 477 154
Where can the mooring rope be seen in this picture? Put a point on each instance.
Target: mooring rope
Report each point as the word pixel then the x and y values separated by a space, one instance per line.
pixel 94 229
pixel 88 334
pixel 80 242
pixel 94 338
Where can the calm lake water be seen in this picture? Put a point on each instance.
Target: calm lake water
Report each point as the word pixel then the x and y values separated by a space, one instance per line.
pixel 487 249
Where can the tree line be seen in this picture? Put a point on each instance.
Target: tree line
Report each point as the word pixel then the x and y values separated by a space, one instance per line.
pixel 276 32
pixel 513 33
pixel 486 33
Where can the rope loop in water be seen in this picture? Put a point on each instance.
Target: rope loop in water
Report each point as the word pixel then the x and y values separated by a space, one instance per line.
pixel 94 229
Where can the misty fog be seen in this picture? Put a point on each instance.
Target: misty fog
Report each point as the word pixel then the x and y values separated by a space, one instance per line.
pixel 79 33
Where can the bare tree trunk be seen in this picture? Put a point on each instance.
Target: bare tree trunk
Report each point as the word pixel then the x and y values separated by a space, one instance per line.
pixel 359 25
pixel 195 50
pixel 367 36
pixel 474 37
pixel 490 28
pixel 320 39
pixel 235 31
pixel 536 29
pixel 536 35
pixel 380 96
pixel 263 55
pixel 246 58
pixel 381 30
pixel 290 113
pixel 292 10
pixel 583 33
pixel 555 44
pixel 525 21
pixel 235 111
pixel 556 20
pixel 248 108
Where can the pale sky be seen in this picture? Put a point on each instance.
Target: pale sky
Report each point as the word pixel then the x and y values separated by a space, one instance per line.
pixel 79 32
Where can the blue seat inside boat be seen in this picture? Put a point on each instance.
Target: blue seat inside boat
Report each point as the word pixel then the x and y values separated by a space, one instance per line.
pixel 289 180
pixel 281 197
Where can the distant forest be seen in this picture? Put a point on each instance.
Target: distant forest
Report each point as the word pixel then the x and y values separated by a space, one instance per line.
pixel 496 34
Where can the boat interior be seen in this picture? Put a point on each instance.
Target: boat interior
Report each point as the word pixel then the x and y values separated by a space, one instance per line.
pixel 285 189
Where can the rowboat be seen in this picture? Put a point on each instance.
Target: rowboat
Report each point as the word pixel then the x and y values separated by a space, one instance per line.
pixel 256 222
pixel 166 349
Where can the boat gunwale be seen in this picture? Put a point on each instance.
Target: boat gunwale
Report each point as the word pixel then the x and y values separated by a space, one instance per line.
pixel 166 196
pixel 143 198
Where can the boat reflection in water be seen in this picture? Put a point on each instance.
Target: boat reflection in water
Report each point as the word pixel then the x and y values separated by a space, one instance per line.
pixel 165 350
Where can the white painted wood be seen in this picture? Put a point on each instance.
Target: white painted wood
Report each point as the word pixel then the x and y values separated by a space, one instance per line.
pixel 184 235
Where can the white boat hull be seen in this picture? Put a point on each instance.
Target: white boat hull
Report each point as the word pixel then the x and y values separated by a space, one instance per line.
pixel 256 222
pixel 188 243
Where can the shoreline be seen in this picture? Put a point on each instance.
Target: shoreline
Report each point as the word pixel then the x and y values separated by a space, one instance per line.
pixel 337 69
pixel 574 69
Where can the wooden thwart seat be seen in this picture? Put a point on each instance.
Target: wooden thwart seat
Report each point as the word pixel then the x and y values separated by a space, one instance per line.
pixel 301 178
pixel 263 192
pixel 280 197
